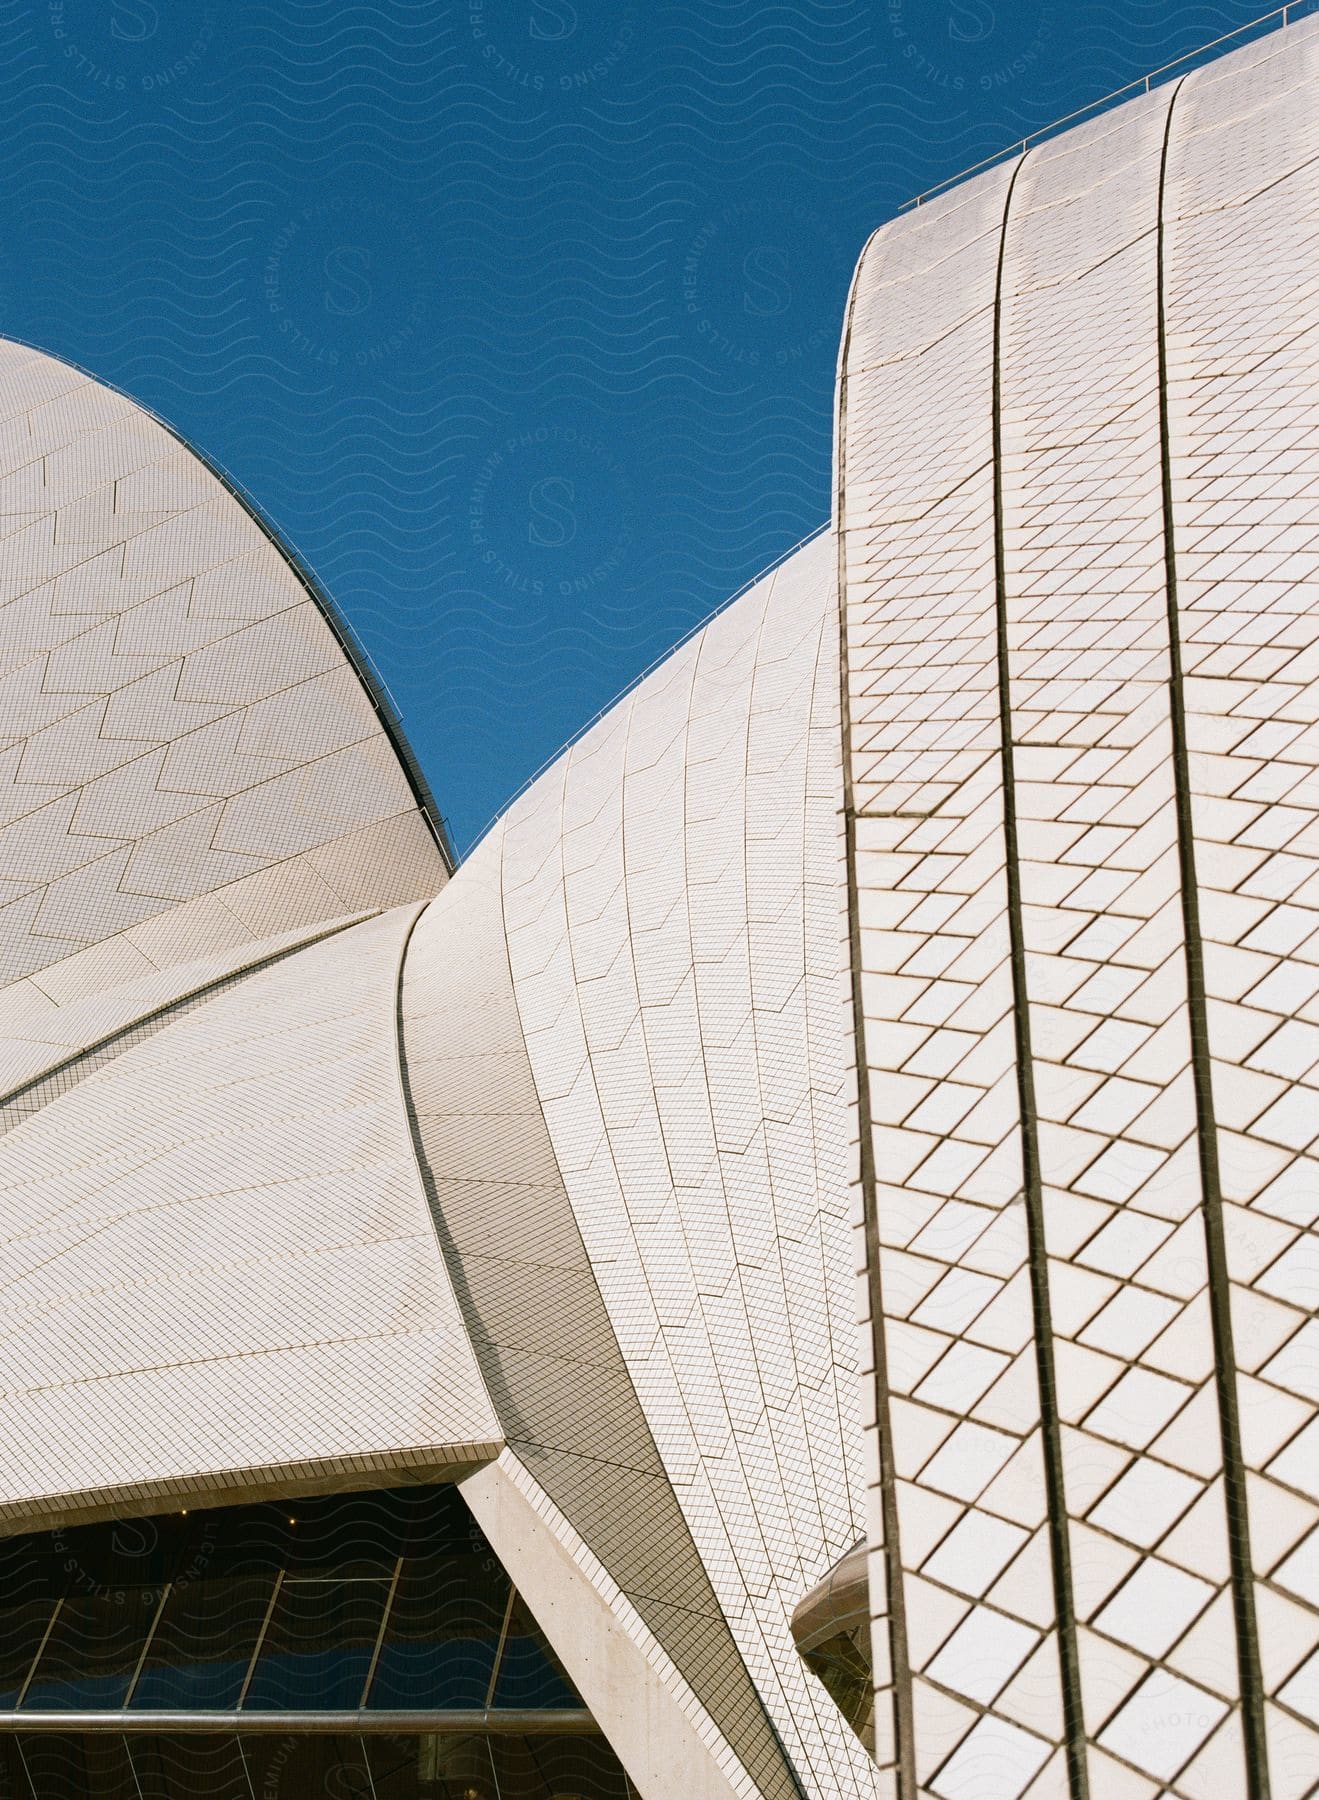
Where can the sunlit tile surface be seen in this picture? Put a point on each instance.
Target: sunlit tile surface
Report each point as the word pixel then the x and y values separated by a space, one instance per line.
pixel 1079 624
pixel 931 941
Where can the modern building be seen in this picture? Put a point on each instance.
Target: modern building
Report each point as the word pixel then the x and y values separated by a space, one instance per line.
pixel 430 1363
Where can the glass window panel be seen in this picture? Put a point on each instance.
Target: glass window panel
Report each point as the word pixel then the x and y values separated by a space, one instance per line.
pixel 93 1649
pixel 202 1646
pixel 436 1522
pixel 32 1569
pixel 123 1553
pixel 516 1770
pixel 530 1674
pixel 309 1768
pixel 443 1631
pixel 434 1767
pixel 22 1628
pixel 217 1569
pixel 396 1765
pixel 94 1764
pixel 233 1541
pixel 32 1578
pixel 244 1540
pixel 348 1535
pixel 318 1646
pixel 14 1784
pixel 191 1768
pixel 843 1665
pixel 282 1766
pixel 558 1768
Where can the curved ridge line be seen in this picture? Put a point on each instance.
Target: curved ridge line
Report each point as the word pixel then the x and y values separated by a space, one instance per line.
pixel 421 1166
pixel 158 1017
pixel 1060 1550
pixel 453 1263
pixel 904 1717
pixel 354 654
pixel 636 680
pixel 1235 1498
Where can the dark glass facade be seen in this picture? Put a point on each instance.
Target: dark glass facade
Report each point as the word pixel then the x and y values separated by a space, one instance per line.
pixel 390 1602
pixel 303 1766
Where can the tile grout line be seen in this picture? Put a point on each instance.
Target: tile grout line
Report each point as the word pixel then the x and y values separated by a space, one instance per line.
pixel 904 1722
pixel 641 1603
pixel 1250 1673
pixel 1074 1742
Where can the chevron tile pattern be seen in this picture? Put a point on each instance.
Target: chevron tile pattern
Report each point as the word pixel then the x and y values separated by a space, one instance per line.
pixel 670 895
pixel 517 1254
pixel 974 1640
pixel 56 1050
pixel 1106 981
pixel 177 716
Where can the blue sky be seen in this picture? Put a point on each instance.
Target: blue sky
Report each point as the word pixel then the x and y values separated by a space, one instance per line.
pixel 519 317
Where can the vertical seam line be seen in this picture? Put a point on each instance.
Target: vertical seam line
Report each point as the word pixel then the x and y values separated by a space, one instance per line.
pixel 379 1644
pixel 136 1676
pixel 51 1622
pixel 261 1635
pixel 1074 1739
pixel 496 1667
pixel 899 1655
pixel 1211 1208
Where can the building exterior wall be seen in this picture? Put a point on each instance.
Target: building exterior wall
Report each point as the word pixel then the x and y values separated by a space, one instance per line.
pixel 581 1471
pixel 220 1270
pixel 932 936
pixel 671 900
pixel 1069 872
pixel 368 1645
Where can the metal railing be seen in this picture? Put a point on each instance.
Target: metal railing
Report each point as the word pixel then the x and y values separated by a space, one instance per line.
pixel 436 1722
pixel 1268 22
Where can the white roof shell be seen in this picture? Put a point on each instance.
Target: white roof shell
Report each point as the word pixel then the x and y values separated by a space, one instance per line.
pixel 1080 541
pixel 559 1179
pixel 191 756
